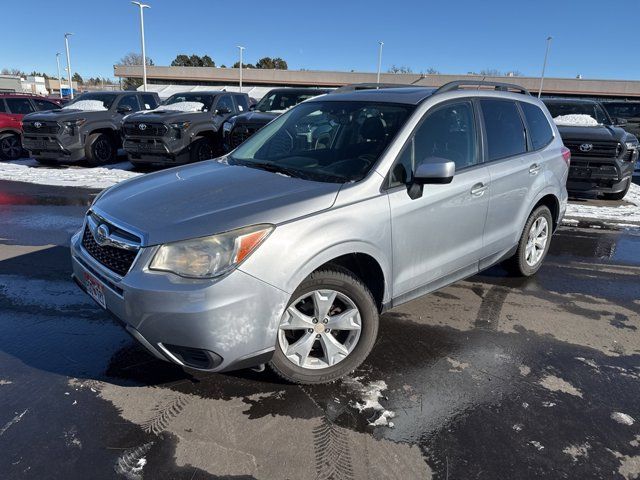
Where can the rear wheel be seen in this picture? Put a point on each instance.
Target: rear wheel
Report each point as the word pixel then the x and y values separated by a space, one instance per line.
pixel 327 330
pixel 100 149
pixel 619 195
pixel 201 149
pixel 10 146
pixel 534 243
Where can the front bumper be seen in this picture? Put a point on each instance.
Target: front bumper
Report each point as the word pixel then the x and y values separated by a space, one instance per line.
pixel 590 175
pixel 232 320
pixel 65 148
pixel 157 150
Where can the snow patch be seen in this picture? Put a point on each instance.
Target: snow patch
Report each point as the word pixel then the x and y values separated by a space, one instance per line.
pixel 370 396
pixel 557 384
pixel 30 171
pixel 524 370
pixel 576 120
pixel 622 418
pixel 87 106
pixel 5 382
pixel 181 107
pixel 621 215
pixel 13 421
pixel 577 451
pixel 537 444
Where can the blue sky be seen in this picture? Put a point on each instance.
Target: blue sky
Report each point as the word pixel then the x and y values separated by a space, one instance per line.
pixel 595 39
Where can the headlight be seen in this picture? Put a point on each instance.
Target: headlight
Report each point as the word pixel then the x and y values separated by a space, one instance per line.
pixel 209 257
pixel 631 145
pixel 226 127
pixel 181 125
pixel 71 125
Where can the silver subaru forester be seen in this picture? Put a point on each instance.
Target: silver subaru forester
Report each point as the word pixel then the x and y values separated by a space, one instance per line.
pixel 287 250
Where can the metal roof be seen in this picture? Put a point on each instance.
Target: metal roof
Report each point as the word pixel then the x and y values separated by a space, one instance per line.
pixel 406 95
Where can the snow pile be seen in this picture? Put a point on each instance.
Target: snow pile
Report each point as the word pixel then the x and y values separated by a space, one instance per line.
pixel 576 120
pixel 370 396
pixel 621 215
pixel 622 418
pixel 86 105
pixel 31 171
pixel 182 107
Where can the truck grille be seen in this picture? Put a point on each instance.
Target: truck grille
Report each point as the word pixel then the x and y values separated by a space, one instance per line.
pixel 149 129
pixel 240 133
pixel 44 128
pixel 115 259
pixel 600 149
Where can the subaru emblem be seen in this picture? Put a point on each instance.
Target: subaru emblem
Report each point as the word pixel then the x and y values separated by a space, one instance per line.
pixel 142 127
pixel 586 147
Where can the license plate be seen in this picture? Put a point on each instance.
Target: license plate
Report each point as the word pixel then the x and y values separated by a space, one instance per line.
pixel 95 289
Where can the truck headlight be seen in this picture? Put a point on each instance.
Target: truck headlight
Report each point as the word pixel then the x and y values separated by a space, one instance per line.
pixel 631 145
pixel 71 125
pixel 181 125
pixel 212 256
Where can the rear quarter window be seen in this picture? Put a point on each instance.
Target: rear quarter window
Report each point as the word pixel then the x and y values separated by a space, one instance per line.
pixel 504 129
pixel 3 107
pixel 540 132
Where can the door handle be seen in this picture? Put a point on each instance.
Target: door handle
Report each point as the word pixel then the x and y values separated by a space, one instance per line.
pixel 478 189
pixel 534 169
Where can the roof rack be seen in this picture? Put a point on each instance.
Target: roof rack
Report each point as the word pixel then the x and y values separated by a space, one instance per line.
pixel 498 86
pixel 369 86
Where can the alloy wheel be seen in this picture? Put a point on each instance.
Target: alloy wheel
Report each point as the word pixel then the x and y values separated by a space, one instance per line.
pixel 537 241
pixel 11 148
pixel 320 329
pixel 103 150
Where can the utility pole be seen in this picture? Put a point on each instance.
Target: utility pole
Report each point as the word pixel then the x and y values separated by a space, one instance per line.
pixel 379 62
pixel 241 48
pixel 59 76
pixel 66 43
pixel 544 65
pixel 144 53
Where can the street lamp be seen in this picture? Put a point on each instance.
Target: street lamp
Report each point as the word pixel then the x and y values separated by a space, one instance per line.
pixel 544 65
pixel 144 54
pixel 66 43
pixel 59 77
pixel 241 48
pixel 379 62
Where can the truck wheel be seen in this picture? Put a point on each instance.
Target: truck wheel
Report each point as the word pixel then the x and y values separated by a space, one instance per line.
pixel 10 146
pixel 534 243
pixel 619 195
pixel 100 149
pixel 328 329
pixel 201 149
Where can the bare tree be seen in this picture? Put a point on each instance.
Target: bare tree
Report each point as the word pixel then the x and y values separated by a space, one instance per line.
pixel 131 59
pixel 399 69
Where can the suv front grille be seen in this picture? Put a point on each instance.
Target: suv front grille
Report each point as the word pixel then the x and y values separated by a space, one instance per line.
pixel 45 128
pixel 149 129
pixel 240 133
pixel 600 149
pixel 115 259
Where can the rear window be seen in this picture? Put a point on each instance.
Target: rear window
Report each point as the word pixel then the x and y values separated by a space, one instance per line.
pixel 540 131
pixel 19 106
pixel 505 131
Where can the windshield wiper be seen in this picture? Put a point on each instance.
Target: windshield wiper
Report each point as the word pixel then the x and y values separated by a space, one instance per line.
pixel 274 168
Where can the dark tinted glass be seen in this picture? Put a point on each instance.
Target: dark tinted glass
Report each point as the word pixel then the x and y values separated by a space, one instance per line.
pixel 43 105
pixel 593 110
pixel 131 101
pixel 149 101
pixel 623 110
pixel 243 104
pixel 505 131
pixel 539 129
pixel 3 108
pixel 225 102
pixel 19 106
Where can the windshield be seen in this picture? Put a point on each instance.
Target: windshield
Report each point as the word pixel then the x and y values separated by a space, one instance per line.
pixel 192 101
pixel 91 101
pixel 325 141
pixel 623 110
pixel 281 101
pixel 578 113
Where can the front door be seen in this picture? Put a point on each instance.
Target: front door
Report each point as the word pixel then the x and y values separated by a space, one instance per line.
pixel 438 236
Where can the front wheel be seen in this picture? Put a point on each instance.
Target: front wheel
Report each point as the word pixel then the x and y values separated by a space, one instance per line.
pixel 618 195
pixel 534 243
pixel 100 149
pixel 10 146
pixel 201 149
pixel 328 329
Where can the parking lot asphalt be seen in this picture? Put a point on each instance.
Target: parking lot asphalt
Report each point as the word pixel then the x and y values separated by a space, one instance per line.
pixel 492 377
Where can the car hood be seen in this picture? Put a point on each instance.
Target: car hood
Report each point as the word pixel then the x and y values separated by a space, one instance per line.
pixel 167 116
pixel 207 198
pixel 601 133
pixel 256 117
pixel 64 115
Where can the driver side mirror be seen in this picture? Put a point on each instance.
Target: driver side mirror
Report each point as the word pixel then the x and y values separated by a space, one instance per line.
pixel 252 107
pixel 433 170
pixel 222 111
pixel 620 121
pixel 124 109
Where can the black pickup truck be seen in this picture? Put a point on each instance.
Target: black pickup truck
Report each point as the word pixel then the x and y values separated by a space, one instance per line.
pixel 603 154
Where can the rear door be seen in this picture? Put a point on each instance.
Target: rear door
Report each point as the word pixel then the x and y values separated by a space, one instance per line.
pixel 438 236
pixel 18 108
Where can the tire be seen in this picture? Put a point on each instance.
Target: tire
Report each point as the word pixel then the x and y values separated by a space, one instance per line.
pixel 201 149
pixel 10 146
pixel 518 264
pixel 350 294
pixel 618 195
pixel 100 149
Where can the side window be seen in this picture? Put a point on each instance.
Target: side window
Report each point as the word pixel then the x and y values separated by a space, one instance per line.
pixel 3 108
pixel 241 101
pixel 539 129
pixel 131 100
pixel 225 102
pixel 19 106
pixel 448 133
pixel 505 131
pixel 149 102
pixel 43 105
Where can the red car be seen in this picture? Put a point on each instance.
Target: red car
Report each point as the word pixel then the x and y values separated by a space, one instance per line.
pixel 13 106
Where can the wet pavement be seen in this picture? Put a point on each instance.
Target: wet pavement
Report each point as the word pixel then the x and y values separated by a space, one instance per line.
pixel 492 377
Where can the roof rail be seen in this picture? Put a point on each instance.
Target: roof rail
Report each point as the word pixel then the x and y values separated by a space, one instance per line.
pixel 499 86
pixel 369 86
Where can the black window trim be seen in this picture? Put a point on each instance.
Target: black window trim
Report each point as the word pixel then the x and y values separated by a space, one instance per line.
pixel 530 147
pixel 485 141
pixel 480 155
pixel 6 107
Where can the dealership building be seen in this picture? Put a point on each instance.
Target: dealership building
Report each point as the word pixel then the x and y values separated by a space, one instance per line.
pixel 168 80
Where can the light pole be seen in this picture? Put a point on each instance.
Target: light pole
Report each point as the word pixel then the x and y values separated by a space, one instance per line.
pixel 66 43
pixel 144 53
pixel 59 77
pixel 379 62
pixel 544 65
pixel 241 48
